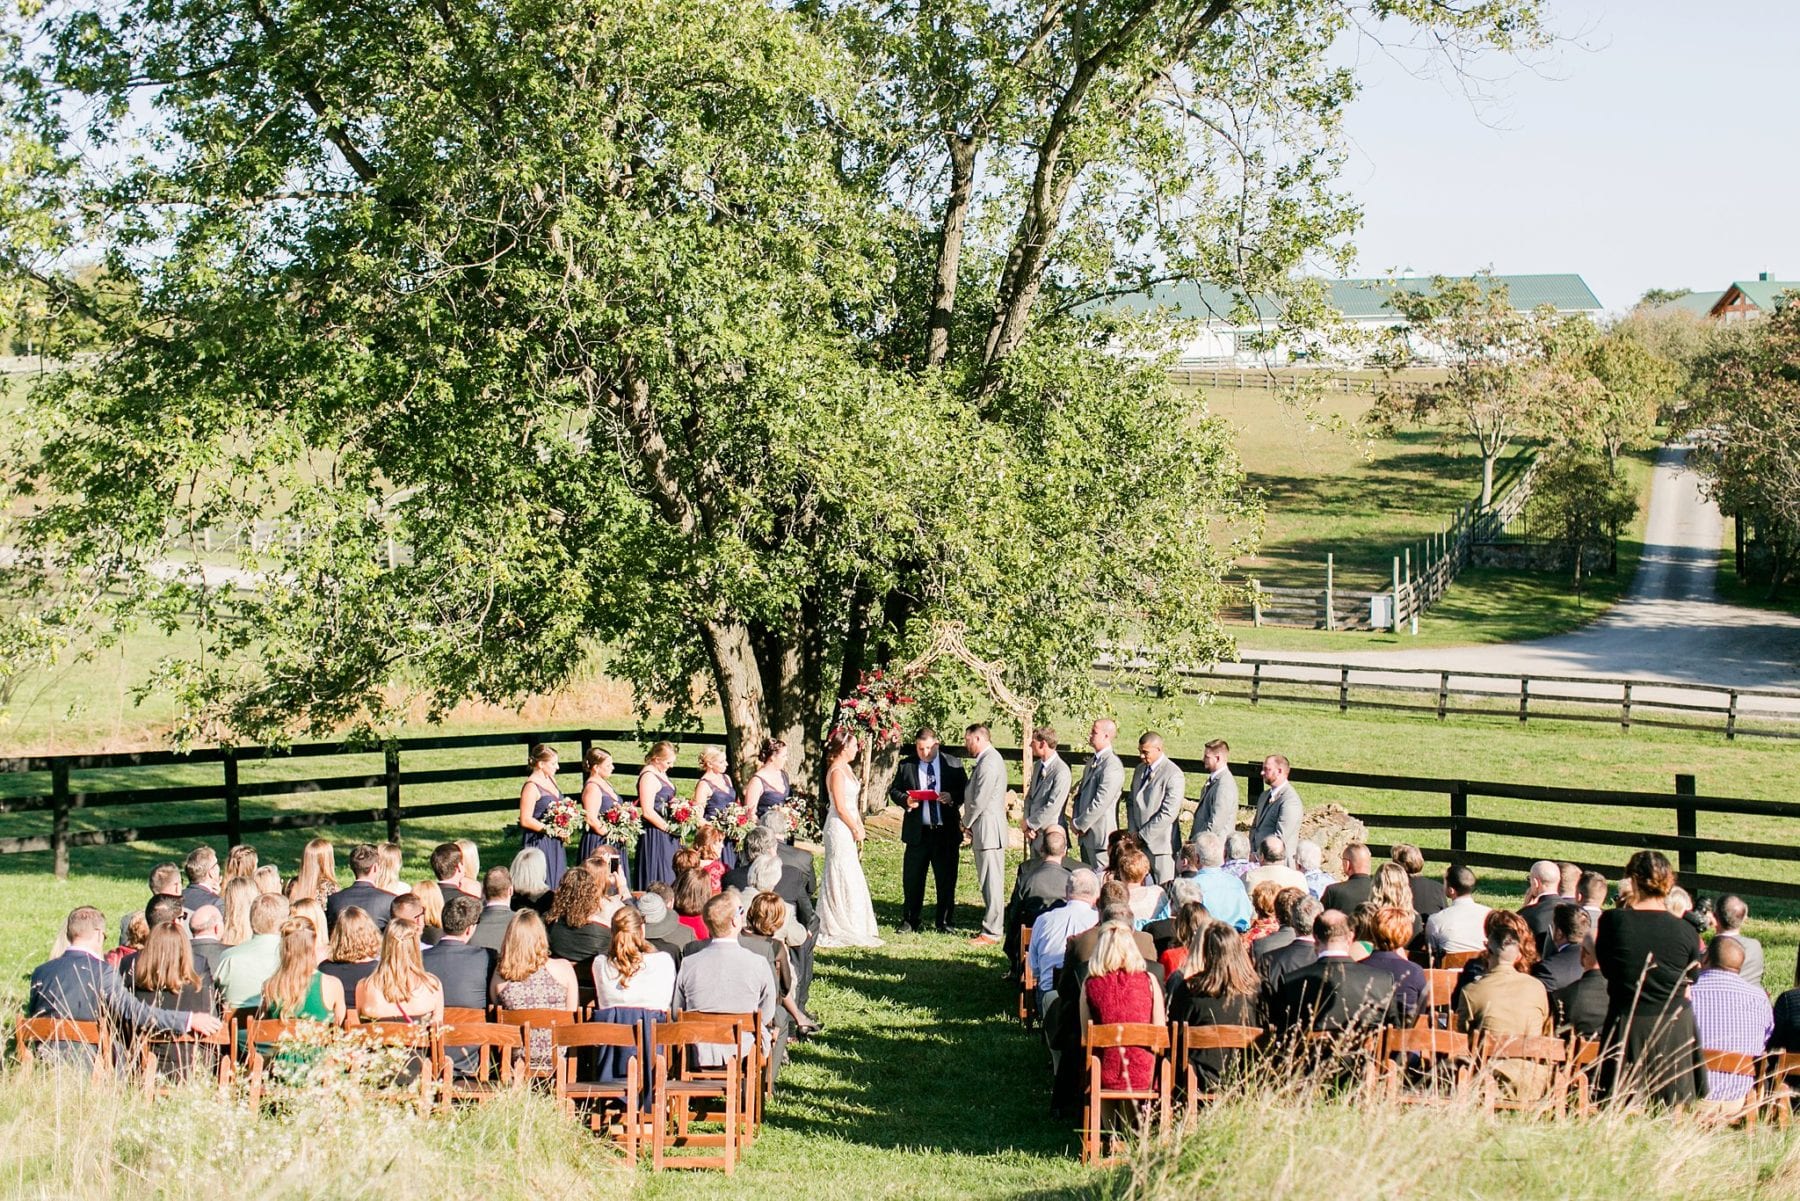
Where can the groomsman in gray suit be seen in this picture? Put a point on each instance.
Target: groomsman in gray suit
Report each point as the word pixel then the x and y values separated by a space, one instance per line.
pixel 1217 811
pixel 1278 808
pixel 984 816
pixel 1154 812
pixel 1097 801
pixel 1047 799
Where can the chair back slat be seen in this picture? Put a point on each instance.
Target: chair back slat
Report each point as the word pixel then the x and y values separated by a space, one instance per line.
pixel 405 1034
pixel 1423 1041
pixel 1537 1048
pixel 1440 985
pixel 594 1034
pixel 458 1015
pixel 1138 1035
pixel 1730 1063
pixel 484 1034
pixel 691 1031
pixel 60 1030
pixel 538 1019
pixel 1220 1038
pixel 1453 961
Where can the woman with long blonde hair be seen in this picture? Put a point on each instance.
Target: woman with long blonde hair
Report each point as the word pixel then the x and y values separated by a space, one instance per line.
pixel 432 897
pixel 298 989
pixel 314 912
pixel 317 877
pixel 234 907
pixel 400 987
pixel 387 868
pixel 240 863
pixel 355 949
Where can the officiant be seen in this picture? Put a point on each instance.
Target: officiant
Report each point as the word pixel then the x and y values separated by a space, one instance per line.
pixel 929 786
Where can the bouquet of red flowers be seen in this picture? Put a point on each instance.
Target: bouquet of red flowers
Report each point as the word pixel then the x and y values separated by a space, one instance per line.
pixel 685 819
pixel 563 820
pixel 735 823
pixel 622 824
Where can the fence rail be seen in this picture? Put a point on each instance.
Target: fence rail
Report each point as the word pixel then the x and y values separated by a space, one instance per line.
pixel 1224 375
pixel 1371 797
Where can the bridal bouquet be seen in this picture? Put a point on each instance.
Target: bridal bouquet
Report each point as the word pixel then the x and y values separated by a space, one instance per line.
pixel 622 824
pixel 563 820
pixel 736 822
pixel 685 820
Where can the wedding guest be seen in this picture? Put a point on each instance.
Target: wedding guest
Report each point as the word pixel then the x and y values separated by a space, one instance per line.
pixel 240 863
pixel 1392 889
pixel 714 794
pixel 77 985
pixel 1461 924
pixel 432 898
pixel 655 792
pixel 539 794
pixel 243 968
pixel 1428 894
pixel 312 911
pixel 1309 860
pixel 1332 994
pixel 530 978
pixel 317 877
pixel 1119 988
pixel 206 926
pixel 770 786
pixel 462 968
pixel 1222 989
pixel 1581 1007
pixel 447 860
pixel 661 926
pixel 1303 922
pixel 1191 921
pixel 764 874
pixel 1272 864
pixel 710 842
pixel 1730 1014
pixel 400 989
pixel 1592 895
pixel 1508 1002
pixel 791 883
pixel 1265 923
pixel 574 930
pixel 1787 1018
pixel 1132 867
pixel 1237 855
pixel 388 861
pixel 235 902
pixel 164 975
pixel 297 988
pixel 530 874
pixel 1647 954
pixel 355 947
pixel 496 909
pixel 165 881
pixel 1051 933
pixel 633 974
pixel 471 864
pixel 762 932
pixel 1358 882
pixel 692 890
pixel 268 879
pixel 721 975
pixel 598 796
pixel 1569 928
pixel 136 933
pixel 1729 915
pixel 1291 929
pixel 203 884
pixel 376 903
pixel 1389 933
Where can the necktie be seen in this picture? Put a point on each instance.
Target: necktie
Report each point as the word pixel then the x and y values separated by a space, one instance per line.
pixel 927 780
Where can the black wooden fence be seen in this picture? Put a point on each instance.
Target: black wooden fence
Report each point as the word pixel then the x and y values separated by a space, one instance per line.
pixel 1608 839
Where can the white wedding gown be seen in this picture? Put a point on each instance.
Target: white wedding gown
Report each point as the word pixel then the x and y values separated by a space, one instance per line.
pixel 846 914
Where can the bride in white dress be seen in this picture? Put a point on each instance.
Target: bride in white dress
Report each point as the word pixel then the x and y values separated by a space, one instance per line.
pixel 846 914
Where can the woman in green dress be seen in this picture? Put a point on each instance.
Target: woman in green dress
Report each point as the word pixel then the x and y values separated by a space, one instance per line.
pixel 300 991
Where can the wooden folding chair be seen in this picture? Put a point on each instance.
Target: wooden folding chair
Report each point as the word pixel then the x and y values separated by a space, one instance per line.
pixel 1189 1039
pixel 1123 1036
pixel 1027 979
pixel 1780 1070
pixel 33 1033
pixel 455 1015
pixel 216 1045
pixel 499 1066
pixel 1453 961
pixel 1584 1057
pixel 1431 1050
pixel 261 1032
pixel 538 1020
pixel 756 1080
pixel 419 1037
pixel 674 1091
pixel 1434 1008
pixel 1735 1063
pixel 1539 1049
pixel 571 1093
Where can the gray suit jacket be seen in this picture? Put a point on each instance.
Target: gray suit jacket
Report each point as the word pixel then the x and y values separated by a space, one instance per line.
pixel 1217 811
pixel 1097 800
pixel 1155 807
pixel 490 931
pixel 724 976
pixel 1277 812
pixel 984 802
pixel 1047 801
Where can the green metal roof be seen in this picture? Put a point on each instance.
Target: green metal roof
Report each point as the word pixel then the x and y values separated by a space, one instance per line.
pixel 1763 292
pixel 1358 298
pixel 1699 303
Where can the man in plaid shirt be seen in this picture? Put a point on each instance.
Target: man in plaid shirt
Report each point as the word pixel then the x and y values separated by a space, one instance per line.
pixel 1731 1014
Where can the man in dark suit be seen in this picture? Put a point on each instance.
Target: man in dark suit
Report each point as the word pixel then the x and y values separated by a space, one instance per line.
pixel 1581 1006
pixel 792 888
pixel 1541 899
pixel 931 830
pixel 463 968
pixel 1569 927
pixel 1277 965
pixel 1357 884
pixel 361 893
pixel 1427 893
pixel 1043 880
pixel 496 909
pixel 202 871
pixel 1334 993
pixel 207 927
pixel 447 870
pixel 80 985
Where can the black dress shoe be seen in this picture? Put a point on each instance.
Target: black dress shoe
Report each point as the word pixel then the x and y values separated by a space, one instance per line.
pixel 946 929
pixel 906 928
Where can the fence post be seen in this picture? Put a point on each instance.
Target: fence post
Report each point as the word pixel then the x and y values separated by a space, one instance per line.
pixel 1524 696
pixel 1686 824
pixel 234 817
pixel 1330 589
pixel 391 771
pixel 1731 717
pixel 59 817
pixel 1396 594
pixel 1459 814
pixel 1255 602
pixel 1443 693
pixel 1625 708
pixel 1344 689
pixel 1256 682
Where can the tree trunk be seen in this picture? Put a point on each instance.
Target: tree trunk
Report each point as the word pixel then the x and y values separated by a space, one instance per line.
pixel 1487 479
pixel 949 261
pixel 739 683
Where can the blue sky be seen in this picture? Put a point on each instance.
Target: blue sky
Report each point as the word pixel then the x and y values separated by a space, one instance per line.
pixel 1656 146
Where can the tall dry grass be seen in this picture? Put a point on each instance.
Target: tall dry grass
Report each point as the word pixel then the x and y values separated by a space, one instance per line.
pixel 65 1136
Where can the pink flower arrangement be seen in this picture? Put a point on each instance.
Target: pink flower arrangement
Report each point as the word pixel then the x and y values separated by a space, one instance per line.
pixel 872 711
pixel 622 824
pixel 563 820
pixel 736 822
pixel 685 820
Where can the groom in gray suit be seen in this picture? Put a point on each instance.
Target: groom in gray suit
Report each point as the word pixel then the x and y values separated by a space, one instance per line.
pixel 1154 812
pixel 984 816
pixel 1278 808
pixel 1047 799
pixel 1217 811
pixel 1097 801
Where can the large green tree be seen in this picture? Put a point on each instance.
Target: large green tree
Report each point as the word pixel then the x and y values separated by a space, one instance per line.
pixel 745 341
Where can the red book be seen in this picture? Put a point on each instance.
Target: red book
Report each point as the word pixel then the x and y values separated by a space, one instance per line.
pixel 921 794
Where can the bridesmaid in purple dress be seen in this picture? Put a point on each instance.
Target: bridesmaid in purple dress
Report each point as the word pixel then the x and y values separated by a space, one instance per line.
pixel 770 786
pixel 657 847
pixel 714 794
pixel 599 796
pixel 535 799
